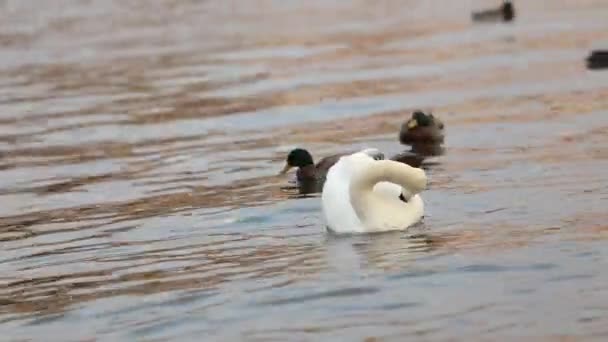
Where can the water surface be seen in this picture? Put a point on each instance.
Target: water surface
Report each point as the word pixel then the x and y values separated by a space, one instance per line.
pixel 140 142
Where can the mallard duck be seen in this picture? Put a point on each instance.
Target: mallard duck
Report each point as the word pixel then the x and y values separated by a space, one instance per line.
pixel 364 195
pixel 598 59
pixel 307 169
pixel 505 12
pixel 310 177
pixel 421 128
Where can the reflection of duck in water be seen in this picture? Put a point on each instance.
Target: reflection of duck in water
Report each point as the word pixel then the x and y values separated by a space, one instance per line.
pixel 366 195
pixel 598 59
pixel 310 177
pixel 422 128
pixel 506 12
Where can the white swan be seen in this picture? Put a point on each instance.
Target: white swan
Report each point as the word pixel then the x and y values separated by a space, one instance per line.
pixel 362 194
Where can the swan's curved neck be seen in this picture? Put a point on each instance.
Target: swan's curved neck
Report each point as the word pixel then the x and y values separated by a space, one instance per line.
pixel 377 210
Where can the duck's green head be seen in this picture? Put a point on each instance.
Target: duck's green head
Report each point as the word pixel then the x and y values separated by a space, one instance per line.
pixel 298 157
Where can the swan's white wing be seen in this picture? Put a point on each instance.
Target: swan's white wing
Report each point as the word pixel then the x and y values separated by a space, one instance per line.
pixel 339 214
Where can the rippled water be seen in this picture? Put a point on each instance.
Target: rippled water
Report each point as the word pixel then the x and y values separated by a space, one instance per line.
pixel 140 143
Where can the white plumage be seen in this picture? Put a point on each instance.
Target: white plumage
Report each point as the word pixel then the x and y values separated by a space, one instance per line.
pixel 361 194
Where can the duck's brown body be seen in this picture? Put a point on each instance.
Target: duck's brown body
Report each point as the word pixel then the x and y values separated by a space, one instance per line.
pixel 506 12
pixel 421 135
pixel 598 59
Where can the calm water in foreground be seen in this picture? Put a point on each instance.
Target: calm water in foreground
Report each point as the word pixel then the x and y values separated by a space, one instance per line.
pixel 140 143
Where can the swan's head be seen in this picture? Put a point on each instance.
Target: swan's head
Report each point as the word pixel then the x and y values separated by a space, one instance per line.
pixel 298 157
pixel 417 179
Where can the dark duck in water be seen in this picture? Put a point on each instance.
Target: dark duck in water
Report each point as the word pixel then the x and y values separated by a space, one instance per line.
pixel 307 169
pixel 309 176
pixel 598 60
pixel 422 128
pixel 506 12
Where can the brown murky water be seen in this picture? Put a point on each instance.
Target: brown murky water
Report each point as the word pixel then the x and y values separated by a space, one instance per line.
pixel 140 142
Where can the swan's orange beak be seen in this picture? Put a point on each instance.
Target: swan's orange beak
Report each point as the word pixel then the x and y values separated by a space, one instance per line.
pixel 412 123
pixel 286 168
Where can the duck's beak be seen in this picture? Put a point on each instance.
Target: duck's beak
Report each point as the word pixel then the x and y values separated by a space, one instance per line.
pixel 412 123
pixel 286 168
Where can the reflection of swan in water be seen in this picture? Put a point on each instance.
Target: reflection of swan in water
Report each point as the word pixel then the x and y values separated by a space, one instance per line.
pixel 364 195
pixel 388 251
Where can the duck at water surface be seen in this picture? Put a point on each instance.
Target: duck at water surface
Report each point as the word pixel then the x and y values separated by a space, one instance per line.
pixel 307 169
pixel 506 12
pixel 310 177
pixel 422 128
pixel 365 195
pixel 598 59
